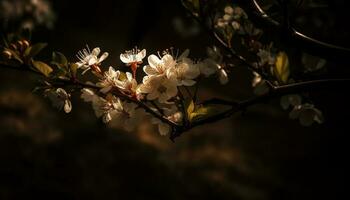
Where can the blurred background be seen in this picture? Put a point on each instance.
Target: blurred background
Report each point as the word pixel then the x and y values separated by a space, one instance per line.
pixel 258 155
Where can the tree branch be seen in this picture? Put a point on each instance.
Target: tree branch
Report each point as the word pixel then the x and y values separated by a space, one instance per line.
pixel 68 82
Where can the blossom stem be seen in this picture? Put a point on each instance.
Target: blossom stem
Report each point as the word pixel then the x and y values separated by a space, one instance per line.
pixel 133 69
pixel 275 91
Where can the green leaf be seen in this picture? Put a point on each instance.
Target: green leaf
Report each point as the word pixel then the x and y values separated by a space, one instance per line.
pixel 34 50
pixel 199 113
pixel 190 109
pixel 282 71
pixel 59 59
pixel 42 67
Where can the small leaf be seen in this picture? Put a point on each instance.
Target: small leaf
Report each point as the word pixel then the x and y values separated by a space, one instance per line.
pixel 199 113
pixel 34 50
pixel 190 109
pixel 59 59
pixel 42 67
pixel 282 67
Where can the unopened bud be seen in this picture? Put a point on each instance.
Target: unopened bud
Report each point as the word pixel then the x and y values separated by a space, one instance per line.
pixel 19 45
pixel 7 54
pixel 96 69
pixel 25 44
pixel 13 46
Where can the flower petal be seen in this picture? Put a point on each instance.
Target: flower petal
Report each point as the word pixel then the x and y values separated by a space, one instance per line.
pixel 153 95
pixel 168 61
pixel 67 106
pixel 93 60
pixel 164 129
pixel 153 60
pixel 96 51
pixel 184 54
pixel 125 58
pixel 141 55
pixel 188 82
pixel 223 77
pixel 149 70
pixel 103 57
pixel 129 76
pixel 87 95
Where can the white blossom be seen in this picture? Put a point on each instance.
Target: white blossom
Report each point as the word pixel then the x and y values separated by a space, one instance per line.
pixel 60 99
pixel 129 84
pixel 128 116
pixel 112 109
pixel 185 70
pixel 159 87
pixel 223 78
pixel 158 66
pixel 307 114
pixel 88 95
pixel 106 108
pixel 213 65
pixel 232 16
pixel 236 25
pixel 88 58
pixel 208 67
pixel 133 56
pixel 266 57
pixel 228 10
pixel 110 80
pixel 290 100
pixel 256 80
pixel 171 114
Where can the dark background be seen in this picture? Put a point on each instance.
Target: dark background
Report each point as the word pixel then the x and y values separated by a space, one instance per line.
pixel 259 155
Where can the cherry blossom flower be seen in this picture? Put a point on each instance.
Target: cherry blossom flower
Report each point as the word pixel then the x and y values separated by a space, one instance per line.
pixel 128 85
pixel 110 80
pixel 159 87
pixel 128 117
pixel 90 60
pixel 88 95
pixel 233 17
pixel 60 99
pixel 290 100
pixel 158 66
pixel 213 65
pixel 133 58
pixel 266 57
pixel 223 77
pixel 235 25
pixel 208 67
pixel 171 114
pixel 106 108
pixel 185 70
pixel 307 114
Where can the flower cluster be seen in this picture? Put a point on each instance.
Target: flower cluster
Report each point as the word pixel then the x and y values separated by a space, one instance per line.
pixel 119 98
pixel 306 113
pixel 232 18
